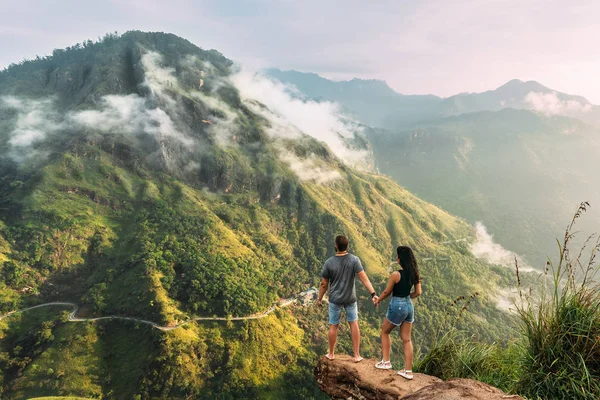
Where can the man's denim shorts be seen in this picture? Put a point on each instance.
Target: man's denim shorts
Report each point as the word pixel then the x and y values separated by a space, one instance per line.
pixel 400 310
pixel 335 313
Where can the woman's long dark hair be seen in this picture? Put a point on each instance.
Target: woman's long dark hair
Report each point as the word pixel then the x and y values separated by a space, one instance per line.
pixel 409 263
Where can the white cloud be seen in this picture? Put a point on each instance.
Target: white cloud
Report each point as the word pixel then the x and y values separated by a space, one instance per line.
pixel 223 129
pixel 291 117
pixel 509 299
pixel 130 115
pixel 133 114
pixel 35 120
pixel 486 249
pixel 158 78
pixel 309 169
pixel 550 104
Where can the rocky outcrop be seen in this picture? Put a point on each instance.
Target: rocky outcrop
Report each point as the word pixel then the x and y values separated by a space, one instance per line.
pixel 342 378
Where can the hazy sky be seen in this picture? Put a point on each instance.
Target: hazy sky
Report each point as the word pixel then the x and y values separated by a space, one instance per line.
pixel 417 46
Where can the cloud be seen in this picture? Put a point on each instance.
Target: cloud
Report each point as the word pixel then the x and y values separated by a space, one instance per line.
pixel 486 249
pixel 550 104
pixel 35 120
pixel 133 114
pixel 130 115
pixel 158 78
pixel 224 129
pixel 291 117
pixel 508 299
pixel 309 169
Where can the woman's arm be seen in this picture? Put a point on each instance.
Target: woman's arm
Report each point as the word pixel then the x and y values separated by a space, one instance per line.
pixel 394 278
pixel 417 292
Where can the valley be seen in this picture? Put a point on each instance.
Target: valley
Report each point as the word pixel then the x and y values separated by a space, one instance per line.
pixel 117 196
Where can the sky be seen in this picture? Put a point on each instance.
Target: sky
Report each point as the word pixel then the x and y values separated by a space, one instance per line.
pixel 417 46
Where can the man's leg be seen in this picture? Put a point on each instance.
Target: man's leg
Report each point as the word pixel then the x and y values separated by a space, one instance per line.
pixel 355 333
pixel 335 312
pixel 333 333
pixel 352 315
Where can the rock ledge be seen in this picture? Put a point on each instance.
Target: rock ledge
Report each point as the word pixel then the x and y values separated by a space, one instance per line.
pixel 342 378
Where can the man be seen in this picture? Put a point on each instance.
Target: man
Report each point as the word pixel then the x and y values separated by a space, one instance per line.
pixel 338 274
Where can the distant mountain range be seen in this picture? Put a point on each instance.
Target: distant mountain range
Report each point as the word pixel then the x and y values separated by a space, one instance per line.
pixel 379 105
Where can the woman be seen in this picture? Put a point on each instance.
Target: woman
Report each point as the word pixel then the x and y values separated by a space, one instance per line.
pixel 400 311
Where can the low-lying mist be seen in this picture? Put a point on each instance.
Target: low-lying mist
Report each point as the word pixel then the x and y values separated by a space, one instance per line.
pixel 486 249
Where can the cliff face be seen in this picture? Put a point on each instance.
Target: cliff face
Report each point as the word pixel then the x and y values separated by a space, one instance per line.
pixel 344 379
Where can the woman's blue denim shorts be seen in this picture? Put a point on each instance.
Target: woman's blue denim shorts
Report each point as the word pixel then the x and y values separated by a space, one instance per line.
pixel 400 310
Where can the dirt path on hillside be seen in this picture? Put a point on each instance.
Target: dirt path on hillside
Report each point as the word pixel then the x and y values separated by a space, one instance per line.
pixel 75 307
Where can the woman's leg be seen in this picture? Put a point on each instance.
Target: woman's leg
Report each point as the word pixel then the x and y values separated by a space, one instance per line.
pixel 386 343
pixel 405 331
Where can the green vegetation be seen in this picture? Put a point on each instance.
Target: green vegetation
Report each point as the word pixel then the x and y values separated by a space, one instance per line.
pixel 126 222
pixel 557 356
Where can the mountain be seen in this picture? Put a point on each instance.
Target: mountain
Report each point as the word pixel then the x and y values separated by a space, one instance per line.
pixel 517 94
pixel 145 180
pixel 378 105
pixel 521 173
pixel 315 86
pixel 519 158
pixel 373 101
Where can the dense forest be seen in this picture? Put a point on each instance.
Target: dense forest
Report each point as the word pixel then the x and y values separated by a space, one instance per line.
pixel 136 180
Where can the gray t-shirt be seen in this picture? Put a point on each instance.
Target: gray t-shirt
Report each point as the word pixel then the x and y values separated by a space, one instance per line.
pixel 341 271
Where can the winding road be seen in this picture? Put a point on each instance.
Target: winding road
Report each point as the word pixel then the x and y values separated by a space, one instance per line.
pixel 75 307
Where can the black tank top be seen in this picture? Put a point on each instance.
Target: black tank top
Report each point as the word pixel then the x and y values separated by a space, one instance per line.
pixel 402 288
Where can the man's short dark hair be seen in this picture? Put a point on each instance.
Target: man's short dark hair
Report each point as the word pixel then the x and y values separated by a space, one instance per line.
pixel 341 242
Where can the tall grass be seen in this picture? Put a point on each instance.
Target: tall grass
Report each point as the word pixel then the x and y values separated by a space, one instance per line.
pixel 562 327
pixel 455 354
pixel 558 354
pixel 458 356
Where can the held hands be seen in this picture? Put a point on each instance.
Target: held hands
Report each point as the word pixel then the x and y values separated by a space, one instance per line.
pixel 375 300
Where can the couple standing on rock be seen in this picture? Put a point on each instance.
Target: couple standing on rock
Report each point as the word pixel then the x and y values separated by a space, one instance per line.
pixel 338 275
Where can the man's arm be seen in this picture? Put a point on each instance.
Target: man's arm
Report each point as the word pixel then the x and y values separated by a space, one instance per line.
pixel 362 275
pixel 322 290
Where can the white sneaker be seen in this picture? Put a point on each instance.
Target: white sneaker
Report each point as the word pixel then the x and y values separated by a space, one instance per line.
pixel 406 373
pixel 383 365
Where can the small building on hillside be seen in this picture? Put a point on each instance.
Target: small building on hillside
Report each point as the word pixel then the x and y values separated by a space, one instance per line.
pixel 308 296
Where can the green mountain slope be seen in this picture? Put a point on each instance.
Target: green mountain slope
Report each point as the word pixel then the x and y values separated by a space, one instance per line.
pixel 131 188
